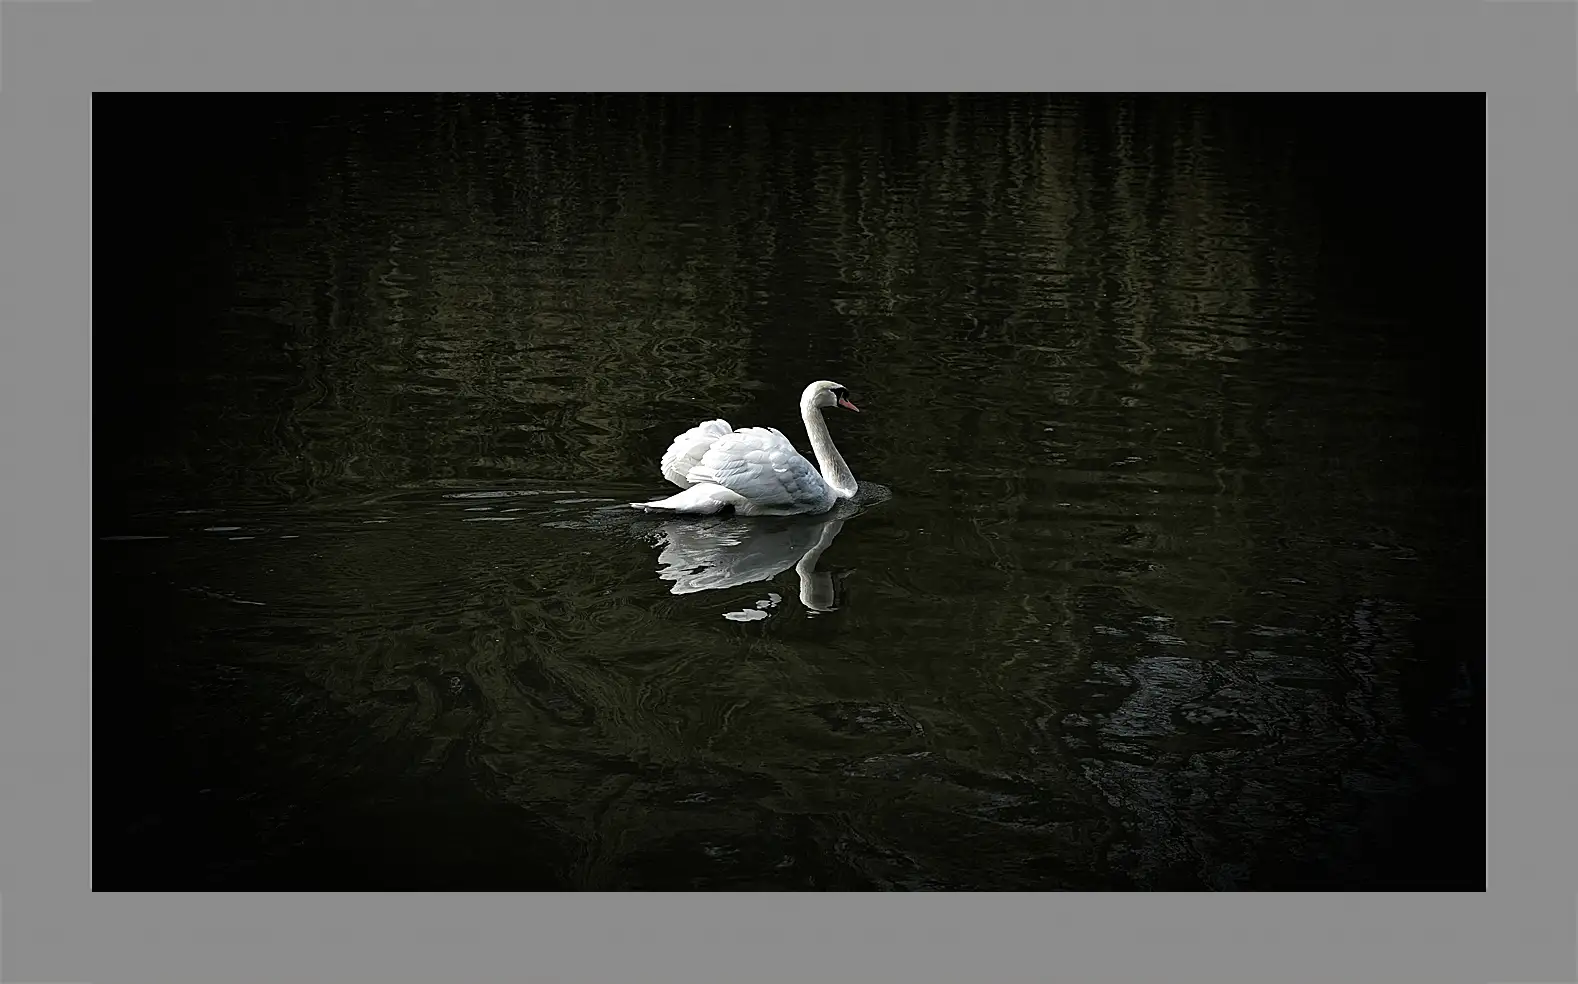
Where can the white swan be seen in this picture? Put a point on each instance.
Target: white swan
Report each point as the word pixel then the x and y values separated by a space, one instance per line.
pixel 755 470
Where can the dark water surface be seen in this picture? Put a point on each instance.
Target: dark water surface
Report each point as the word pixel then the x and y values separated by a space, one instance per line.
pixel 1168 572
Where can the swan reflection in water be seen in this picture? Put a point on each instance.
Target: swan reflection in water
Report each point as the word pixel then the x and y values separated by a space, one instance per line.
pixel 715 553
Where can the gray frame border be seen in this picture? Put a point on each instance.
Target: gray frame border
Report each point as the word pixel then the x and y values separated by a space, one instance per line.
pixel 54 55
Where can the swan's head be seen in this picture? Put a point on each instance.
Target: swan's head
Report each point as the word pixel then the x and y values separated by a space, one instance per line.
pixel 825 393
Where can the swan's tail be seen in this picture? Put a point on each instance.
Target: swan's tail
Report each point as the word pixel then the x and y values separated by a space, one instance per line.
pixel 698 500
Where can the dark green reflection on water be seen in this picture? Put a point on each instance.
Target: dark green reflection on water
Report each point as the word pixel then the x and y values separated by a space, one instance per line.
pixel 1167 577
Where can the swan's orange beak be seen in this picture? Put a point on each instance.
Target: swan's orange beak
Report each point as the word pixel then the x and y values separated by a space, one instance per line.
pixel 847 405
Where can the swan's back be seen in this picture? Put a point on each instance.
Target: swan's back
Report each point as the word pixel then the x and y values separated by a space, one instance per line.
pixel 761 464
pixel 687 450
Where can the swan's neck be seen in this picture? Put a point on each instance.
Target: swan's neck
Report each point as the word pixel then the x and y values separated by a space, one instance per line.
pixel 828 461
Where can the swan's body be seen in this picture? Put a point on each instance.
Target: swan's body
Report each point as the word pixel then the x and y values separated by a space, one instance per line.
pixel 756 471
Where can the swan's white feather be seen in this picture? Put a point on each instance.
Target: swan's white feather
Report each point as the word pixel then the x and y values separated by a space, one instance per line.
pixel 686 451
pixel 760 465
pixel 756 470
pixel 698 500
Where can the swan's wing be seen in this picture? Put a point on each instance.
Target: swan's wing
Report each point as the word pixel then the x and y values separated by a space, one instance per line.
pixel 760 464
pixel 687 450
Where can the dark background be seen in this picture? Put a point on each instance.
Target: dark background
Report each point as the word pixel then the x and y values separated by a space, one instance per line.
pixel 317 317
